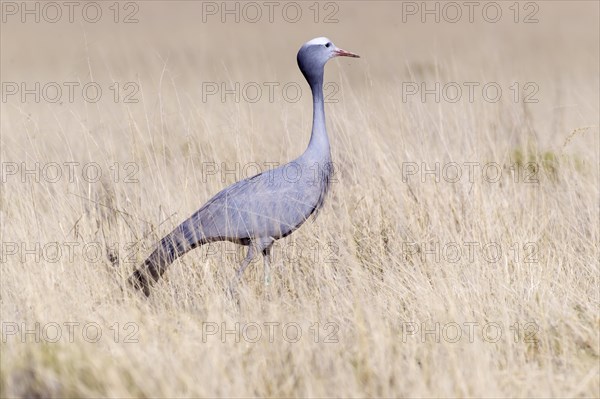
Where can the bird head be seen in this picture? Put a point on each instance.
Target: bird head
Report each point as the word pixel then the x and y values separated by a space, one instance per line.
pixel 314 54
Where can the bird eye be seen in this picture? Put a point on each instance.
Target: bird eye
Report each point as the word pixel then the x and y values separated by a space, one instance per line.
pixel 328 44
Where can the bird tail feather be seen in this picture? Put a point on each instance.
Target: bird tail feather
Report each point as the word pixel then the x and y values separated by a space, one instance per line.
pixel 172 246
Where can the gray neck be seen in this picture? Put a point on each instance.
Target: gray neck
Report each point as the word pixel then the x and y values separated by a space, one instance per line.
pixel 318 147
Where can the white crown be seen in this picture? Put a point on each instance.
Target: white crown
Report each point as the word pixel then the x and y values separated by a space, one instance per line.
pixel 318 40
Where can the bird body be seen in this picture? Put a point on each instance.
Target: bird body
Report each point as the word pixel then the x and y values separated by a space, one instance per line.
pixel 261 209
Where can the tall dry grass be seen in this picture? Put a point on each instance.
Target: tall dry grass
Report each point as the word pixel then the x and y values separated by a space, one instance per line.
pixel 404 286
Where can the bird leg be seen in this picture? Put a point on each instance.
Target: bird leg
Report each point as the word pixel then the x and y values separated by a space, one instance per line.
pixel 267 261
pixel 245 262
pixel 240 272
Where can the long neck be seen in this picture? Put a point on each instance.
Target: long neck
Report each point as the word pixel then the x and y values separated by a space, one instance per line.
pixel 318 147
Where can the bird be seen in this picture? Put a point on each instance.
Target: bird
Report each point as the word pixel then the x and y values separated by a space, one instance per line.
pixel 261 209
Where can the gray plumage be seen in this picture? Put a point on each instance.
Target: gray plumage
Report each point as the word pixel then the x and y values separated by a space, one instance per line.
pixel 264 208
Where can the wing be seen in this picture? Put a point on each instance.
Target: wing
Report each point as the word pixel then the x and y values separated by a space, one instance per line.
pixel 271 204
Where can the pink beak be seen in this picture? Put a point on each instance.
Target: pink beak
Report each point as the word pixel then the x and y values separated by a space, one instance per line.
pixel 343 53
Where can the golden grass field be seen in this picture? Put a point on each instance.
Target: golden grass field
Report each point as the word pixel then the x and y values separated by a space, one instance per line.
pixel 409 283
